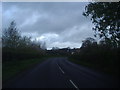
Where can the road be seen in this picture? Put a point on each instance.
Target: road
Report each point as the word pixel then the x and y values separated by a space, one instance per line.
pixel 61 73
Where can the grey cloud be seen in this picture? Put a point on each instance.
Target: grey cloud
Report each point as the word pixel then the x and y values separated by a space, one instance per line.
pixel 78 33
pixel 47 19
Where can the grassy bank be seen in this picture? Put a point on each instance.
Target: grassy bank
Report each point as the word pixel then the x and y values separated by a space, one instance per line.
pixel 12 68
pixel 106 70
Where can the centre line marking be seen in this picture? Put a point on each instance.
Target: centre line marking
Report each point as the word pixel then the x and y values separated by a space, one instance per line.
pixel 74 84
pixel 61 69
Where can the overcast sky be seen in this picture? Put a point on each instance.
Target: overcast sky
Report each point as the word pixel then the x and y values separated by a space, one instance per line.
pixel 58 24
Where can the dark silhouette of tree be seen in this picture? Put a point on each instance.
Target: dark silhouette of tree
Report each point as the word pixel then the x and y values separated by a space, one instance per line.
pixel 106 43
pixel 105 16
pixel 11 36
pixel 17 47
pixel 25 42
pixel 88 42
pixel 55 48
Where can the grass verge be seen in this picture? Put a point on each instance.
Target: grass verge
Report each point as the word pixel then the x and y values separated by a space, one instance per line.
pixel 106 70
pixel 81 63
pixel 11 68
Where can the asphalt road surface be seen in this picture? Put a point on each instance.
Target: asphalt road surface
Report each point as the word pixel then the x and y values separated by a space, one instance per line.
pixel 61 73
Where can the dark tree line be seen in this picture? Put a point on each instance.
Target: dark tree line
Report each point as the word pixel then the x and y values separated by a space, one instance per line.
pixel 17 47
pixel 105 17
pixel 99 56
pixel 104 54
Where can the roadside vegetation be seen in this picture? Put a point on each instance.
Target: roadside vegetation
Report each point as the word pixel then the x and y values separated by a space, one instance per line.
pixel 104 54
pixel 10 69
pixel 21 52
pixel 99 58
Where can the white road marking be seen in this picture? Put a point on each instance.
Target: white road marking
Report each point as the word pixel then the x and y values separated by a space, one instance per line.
pixel 74 84
pixel 69 80
pixel 61 69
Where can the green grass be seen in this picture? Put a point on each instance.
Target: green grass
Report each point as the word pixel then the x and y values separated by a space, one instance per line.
pixel 82 63
pixel 12 68
pixel 107 70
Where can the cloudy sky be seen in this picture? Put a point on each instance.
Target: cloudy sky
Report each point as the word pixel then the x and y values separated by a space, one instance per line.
pixel 59 24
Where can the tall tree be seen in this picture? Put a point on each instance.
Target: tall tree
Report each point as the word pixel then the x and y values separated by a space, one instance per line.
pixel 88 42
pixel 105 17
pixel 25 42
pixel 11 36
